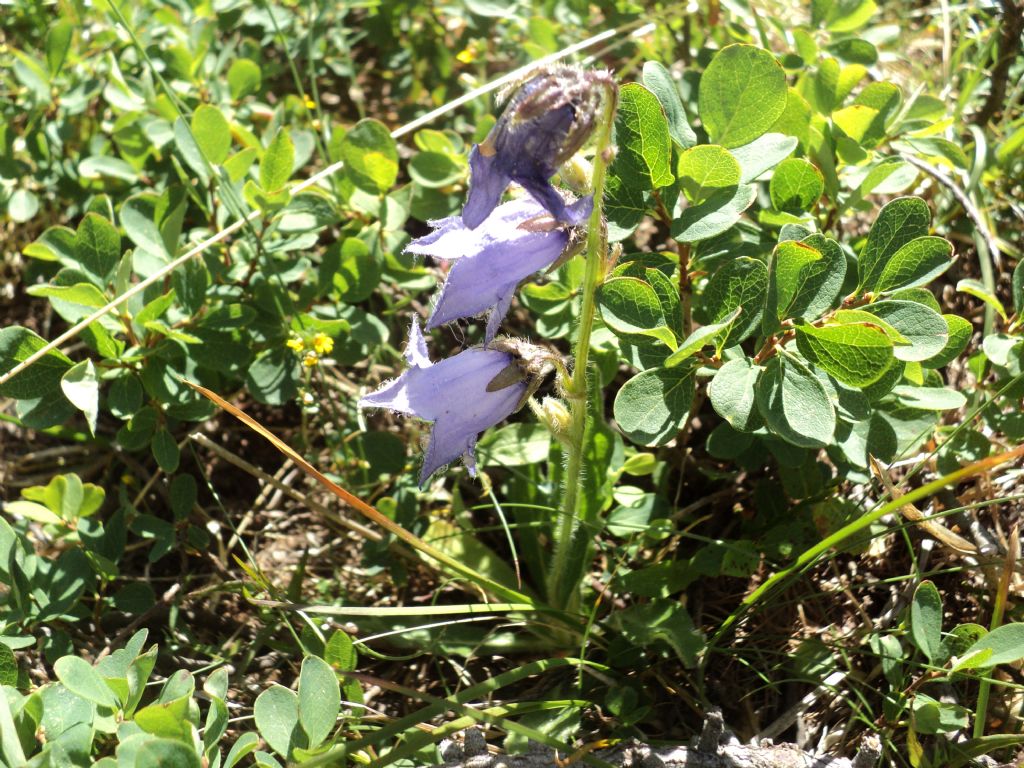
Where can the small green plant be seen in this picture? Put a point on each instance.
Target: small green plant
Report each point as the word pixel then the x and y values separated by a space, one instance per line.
pixel 95 714
pixel 921 663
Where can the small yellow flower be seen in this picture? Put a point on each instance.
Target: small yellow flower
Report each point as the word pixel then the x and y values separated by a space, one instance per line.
pixel 467 55
pixel 323 344
pixel 295 344
pixel 310 104
pixel 310 359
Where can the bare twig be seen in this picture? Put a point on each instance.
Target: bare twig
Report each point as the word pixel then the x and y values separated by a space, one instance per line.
pixel 932 527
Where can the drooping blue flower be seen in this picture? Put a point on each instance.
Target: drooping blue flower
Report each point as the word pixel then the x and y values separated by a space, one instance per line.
pixel 545 123
pixel 460 395
pixel 515 241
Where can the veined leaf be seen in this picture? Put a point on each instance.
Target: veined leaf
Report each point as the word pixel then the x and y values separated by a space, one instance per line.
pixel 742 93
pixel 794 403
pixel 923 327
pixel 819 283
pixel 652 407
pixel 715 215
pixel 714 334
pixel 641 130
pixel 706 169
pixel 658 81
pixel 857 354
pixel 740 283
pixel 918 262
pixel 630 307
pixel 1006 643
pixel 900 221
pixel 277 163
pixel 731 392
pixel 371 156
pixel 806 279
pixel 40 380
pixel 212 133
pixel 862 316
pixel 97 247
pixel 796 186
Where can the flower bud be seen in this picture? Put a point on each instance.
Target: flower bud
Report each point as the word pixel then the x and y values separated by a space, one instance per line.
pixel 555 416
pixel 545 123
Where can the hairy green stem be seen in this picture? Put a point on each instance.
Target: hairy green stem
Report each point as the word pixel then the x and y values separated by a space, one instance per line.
pixel 559 594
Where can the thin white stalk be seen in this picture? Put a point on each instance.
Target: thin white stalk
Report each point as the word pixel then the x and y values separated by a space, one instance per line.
pixel 638 29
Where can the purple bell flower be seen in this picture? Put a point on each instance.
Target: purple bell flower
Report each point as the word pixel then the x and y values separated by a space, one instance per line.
pixel 459 394
pixel 545 123
pixel 515 241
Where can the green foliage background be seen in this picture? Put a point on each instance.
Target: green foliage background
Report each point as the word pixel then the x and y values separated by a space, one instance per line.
pixel 815 227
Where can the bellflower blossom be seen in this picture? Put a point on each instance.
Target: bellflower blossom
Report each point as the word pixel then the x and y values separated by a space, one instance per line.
pixel 545 124
pixel 515 241
pixel 462 395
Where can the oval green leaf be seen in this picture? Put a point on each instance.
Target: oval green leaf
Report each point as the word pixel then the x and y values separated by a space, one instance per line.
pixel 630 307
pixel 742 93
pixel 81 386
pixel 244 78
pixel 731 392
pixel 713 334
pixel 319 699
pixel 819 284
pixel 918 262
pixel 434 169
pixel 278 162
pixel 715 215
pixel 794 404
pixel 80 677
pixel 97 246
pixel 926 620
pixel 166 753
pixel 856 354
pixel 929 398
pixel 371 157
pixel 652 407
pixel 641 132
pixel 212 133
pixel 900 221
pixel 922 326
pixel 706 169
pixel 40 380
pixel 796 186
pixel 741 283
pixel 1006 643
pixel 277 713
pixel 659 81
